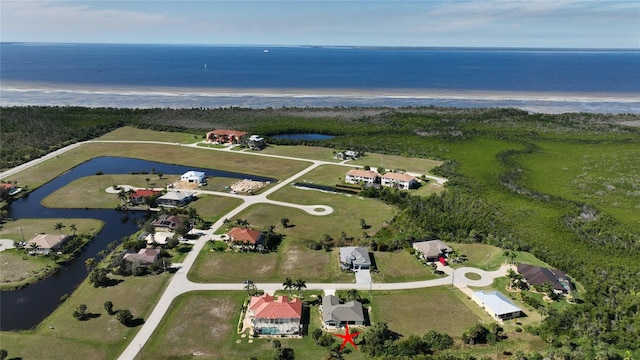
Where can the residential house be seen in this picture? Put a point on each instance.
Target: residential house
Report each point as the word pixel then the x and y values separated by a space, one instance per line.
pixel 197 177
pixel 354 258
pixel 143 256
pixel 9 188
pixel 271 316
pixel 348 155
pixel 160 237
pixel 432 250
pixel 538 276
pixel 256 142
pixel 399 180
pixel 174 199
pixel 226 136
pixel 45 244
pixel 496 305
pixel 168 222
pixel 139 196
pixel 247 237
pixel 338 315
pixel 368 177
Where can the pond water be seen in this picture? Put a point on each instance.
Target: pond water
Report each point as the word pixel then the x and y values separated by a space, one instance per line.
pixel 302 136
pixel 25 308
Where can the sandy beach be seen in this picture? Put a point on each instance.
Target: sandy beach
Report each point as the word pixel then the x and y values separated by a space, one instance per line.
pixel 23 93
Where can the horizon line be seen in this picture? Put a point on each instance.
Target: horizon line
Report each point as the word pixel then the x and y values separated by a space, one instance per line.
pixel 399 47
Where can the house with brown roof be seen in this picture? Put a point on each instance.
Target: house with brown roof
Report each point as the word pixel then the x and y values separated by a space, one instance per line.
pixel 139 195
pixel 275 316
pixel 431 250
pixel 44 244
pixel 368 177
pixel 538 276
pixel 224 136
pixel 168 222
pixel 10 188
pixel 399 180
pixel 143 256
pixel 253 239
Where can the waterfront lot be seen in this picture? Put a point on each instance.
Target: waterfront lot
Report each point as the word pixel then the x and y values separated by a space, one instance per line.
pixel 61 336
pixel 130 133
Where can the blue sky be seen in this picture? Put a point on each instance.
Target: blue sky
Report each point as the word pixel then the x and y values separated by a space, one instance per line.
pixel 488 23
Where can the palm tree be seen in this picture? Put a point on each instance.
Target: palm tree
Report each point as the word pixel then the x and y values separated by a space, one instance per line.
pixel 352 294
pixel 122 195
pixel 73 228
pixel 147 180
pixel 90 263
pixel 300 284
pixel 34 246
pixel 288 285
pixel 510 254
pixel 58 226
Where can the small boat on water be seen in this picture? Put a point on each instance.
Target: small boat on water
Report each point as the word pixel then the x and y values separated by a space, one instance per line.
pixel 265 50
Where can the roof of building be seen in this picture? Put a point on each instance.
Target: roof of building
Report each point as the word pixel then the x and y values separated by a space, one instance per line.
pixel 332 310
pixel 144 193
pixel 363 173
pixel 431 248
pixel 166 220
pixel 399 176
pixel 496 302
pixel 228 132
pixel 355 255
pixel 175 195
pixel 268 307
pixel 48 241
pixel 144 256
pixel 7 186
pixel 192 173
pixel 160 237
pixel 245 235
pixel 536 275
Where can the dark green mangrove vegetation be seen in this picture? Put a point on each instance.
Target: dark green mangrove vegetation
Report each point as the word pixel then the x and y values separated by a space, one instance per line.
pixel 564 187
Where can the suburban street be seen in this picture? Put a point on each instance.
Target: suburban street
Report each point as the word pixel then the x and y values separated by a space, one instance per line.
pixel 180 284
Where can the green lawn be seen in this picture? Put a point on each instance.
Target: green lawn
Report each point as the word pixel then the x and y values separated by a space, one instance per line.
pixel 415 165
pixel 60 336
pixel 399 266
pixel 417 311
pixel 18 268
pixel 481 256
pixel 15 229
pixel 132 133
pixel 216 315
pixel 211 207
pixel 304 152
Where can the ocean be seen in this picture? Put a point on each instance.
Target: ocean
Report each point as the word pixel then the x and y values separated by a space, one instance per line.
pixel 188 76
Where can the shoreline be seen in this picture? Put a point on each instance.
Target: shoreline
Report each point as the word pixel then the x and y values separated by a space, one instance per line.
pixel 397 93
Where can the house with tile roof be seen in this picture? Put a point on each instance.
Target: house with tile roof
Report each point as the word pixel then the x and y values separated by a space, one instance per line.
pixel 139 195
pixel 538 276
pixel 399 180
pixel 168 222
pixel 496 305
pixel 335 314
pixel 45 244
pixel 275 316
pixel 354 258
pixel 247 237
pixel 368 177
pixel 143 256
pixel 224 136
pixel 431 250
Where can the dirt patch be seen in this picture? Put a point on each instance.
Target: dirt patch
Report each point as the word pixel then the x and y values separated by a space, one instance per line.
pixel 248 186
pixel 293 258
pixel 185 185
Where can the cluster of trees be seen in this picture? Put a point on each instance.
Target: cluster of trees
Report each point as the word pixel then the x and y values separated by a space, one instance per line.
pixel 379 341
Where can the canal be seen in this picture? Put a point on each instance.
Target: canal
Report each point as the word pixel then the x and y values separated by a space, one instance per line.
pixel 25 308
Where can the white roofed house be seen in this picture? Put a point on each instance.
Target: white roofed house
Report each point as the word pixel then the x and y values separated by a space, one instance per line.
pixel 399 180
pixel 197 177
pixel 355 176
pixel 496 305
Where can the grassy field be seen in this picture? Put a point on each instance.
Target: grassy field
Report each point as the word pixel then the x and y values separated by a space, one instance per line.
pixel 304 152
pixel 216 315
pixel 14 229
pixel 60 336
pixel 399 266
pixel 415 165
pixel 481 256
pixel 416 311
pixel 18 268
pixel 211 207
pixel 605 175
pixel 188 156
pixel 131 133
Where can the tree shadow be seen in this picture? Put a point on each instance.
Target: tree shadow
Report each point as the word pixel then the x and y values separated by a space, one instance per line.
pixel 290 226
pixel 90 316
pixel 306 320
pixel 112 282
pixel 135 322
